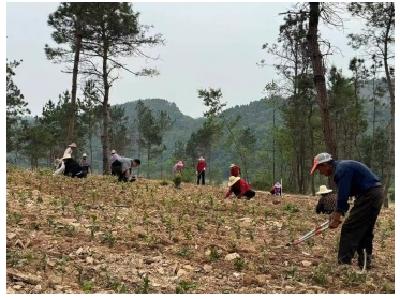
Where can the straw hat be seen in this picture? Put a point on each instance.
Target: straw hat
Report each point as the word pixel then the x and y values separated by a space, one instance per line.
pixel 323 190
pixel 113 152
pixel 66 156
pixel 72 145
pixel 232 180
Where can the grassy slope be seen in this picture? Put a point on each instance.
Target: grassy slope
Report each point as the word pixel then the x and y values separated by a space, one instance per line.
pixel 153 238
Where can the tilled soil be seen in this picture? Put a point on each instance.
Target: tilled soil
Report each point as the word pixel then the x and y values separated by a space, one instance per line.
pixel 96 235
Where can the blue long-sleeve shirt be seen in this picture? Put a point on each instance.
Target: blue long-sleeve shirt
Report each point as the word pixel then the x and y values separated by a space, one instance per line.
pixel 352 179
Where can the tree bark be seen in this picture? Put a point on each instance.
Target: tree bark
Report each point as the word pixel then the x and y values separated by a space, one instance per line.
pixel 390 157
pixel 319 81
pixel 105 137
pixel 273 143
pixel 72 109
pixel 148 161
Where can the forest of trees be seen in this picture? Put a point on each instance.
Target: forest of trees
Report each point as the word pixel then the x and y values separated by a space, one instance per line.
pixel 311 108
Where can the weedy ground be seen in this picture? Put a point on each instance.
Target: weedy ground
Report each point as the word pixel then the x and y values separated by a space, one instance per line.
pixel 96 235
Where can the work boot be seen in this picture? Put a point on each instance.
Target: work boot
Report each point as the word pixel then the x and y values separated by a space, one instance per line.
pixel 361 261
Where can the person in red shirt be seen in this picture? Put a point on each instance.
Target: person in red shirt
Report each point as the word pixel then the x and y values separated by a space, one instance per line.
pixel 201 170
pixel 239 187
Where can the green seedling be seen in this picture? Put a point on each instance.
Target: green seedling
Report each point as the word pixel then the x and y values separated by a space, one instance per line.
pixel 184 286
pixel 239 263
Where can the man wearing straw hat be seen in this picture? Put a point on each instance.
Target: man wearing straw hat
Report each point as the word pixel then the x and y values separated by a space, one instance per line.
pixel 327 202
pixel 353 179
pixel 239 187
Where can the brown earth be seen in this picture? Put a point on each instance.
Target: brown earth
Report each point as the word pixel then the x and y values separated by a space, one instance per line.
pixel 96 235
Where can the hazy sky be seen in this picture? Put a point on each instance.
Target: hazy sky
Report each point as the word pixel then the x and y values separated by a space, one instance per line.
pixel 206 45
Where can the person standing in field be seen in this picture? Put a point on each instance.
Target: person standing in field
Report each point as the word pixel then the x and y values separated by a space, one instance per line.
pixel 201 170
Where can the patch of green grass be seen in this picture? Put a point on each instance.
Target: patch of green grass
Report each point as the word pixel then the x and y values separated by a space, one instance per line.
pixel 214 254
pixel 108 238
pixel 320 275
pixel 14 218
pixel 291 273
pixel 388 288
pixel 352 277
pixel 120 288
pixel 237 230
pixel 200 225
pixel 13 258
pixel 184 251
pixel 87 286
pixel 144 287
pixel 239 263
pixel 291 208
pixel 184 286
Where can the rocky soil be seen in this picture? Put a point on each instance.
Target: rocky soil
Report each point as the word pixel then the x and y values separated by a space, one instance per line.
pixel 96 235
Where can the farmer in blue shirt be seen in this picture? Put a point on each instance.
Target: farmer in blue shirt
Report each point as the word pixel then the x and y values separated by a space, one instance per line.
pixel 353 178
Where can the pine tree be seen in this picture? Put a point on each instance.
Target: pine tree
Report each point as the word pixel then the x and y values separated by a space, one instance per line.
pixel 114 32
pixel 16 106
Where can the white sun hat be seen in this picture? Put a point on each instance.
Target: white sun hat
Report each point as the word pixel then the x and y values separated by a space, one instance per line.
pixel 323 190
pixel 232 180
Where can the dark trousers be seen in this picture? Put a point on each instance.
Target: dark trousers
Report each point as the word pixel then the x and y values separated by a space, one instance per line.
pixel 357 229
pixel 116 169
pixel 249 194
pixel 85 170
pixel 201 175
pixel 72 168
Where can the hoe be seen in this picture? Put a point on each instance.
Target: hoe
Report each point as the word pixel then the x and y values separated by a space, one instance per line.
pixel 316 231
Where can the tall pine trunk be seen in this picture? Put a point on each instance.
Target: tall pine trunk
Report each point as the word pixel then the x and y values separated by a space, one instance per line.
pixel 105 137
pixel 148 160
pixel 319 81
pixel 72 108
pixel 390 157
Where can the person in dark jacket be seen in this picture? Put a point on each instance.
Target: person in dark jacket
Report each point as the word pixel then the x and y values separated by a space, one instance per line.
pixel 85 165
pixel 239 187
pixel 353 178
pixel 327 202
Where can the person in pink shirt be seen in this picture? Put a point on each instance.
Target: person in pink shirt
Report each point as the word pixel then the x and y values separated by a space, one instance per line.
pixel 178 167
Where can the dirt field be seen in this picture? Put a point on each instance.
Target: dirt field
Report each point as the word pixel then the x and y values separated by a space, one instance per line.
pixel 99 236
